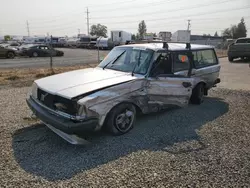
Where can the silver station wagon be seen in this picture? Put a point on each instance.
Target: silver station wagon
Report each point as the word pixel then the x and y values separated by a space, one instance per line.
pixel 132 79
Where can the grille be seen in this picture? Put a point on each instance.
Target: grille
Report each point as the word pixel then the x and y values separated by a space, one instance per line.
pixel 49 100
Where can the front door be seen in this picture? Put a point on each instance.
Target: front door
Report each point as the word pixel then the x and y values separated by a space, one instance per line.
pixel 165 88
pixel 170 91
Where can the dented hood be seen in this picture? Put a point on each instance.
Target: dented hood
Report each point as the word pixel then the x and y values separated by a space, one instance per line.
pixel 74 83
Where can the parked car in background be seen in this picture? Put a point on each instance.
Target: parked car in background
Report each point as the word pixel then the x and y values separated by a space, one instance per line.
pixel 132 79
pixel 39 51
pixel 7 52
pixel 239 49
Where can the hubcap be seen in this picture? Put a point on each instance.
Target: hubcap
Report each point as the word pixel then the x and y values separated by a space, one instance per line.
pixel 10 55
pixel 124 120
pixel 35 54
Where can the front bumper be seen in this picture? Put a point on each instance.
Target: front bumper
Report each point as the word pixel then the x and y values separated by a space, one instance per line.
pixel 63 124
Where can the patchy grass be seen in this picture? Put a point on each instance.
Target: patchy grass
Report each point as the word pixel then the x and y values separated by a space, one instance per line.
pixel 221 53
pixel 14 77
pixel 25 77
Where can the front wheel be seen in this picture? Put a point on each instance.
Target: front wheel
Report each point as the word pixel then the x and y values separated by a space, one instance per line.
pixel 10 55
pixel 230 59
pixel 198 94
pixel 34 54
pixel 121 119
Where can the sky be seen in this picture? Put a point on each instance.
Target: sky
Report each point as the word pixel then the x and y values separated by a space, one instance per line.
pixel 68 17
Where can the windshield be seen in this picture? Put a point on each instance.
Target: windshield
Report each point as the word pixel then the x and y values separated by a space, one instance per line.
pixel 128 60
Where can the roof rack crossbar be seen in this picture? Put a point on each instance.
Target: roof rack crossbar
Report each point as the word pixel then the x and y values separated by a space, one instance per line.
pixel 165 44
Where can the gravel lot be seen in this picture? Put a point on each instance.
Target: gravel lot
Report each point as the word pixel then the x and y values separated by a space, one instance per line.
pixel 197 146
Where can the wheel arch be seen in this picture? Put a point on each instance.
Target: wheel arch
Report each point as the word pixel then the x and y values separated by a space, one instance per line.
pixel 137 108
pixel 205 86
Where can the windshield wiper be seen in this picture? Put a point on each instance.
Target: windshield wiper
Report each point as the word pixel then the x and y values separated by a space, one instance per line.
pixel 113 60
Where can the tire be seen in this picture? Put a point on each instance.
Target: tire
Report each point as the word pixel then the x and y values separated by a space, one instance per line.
pixel 230 59
pixel 198 94
pixel 10 55
pixel 34 54
pixel 121 119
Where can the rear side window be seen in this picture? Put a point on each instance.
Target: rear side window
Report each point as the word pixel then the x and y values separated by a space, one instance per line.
pixel 204 58
pixel 180 62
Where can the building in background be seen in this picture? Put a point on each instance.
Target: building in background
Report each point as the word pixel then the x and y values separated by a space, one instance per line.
pixel 120 37
pixel 181 36
pixel 149 36
pixel 207 40
pixel 165 35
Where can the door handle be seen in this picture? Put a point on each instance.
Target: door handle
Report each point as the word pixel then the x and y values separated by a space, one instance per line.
pixel 186 84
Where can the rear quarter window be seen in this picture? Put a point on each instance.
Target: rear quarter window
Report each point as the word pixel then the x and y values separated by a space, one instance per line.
pixel 204 58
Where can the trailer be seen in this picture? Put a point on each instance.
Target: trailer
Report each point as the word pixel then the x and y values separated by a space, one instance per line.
pixel 181 36
pixel 120 37
pixel 104 43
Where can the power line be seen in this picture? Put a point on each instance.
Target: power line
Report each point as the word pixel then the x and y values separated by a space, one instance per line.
pixel 107 4
pixel 157 19
pixel 172 20
pixel 136 7
pixel 163 11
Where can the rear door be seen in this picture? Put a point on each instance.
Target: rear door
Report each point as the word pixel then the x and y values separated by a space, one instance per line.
pixel 166 88
pixel 206 66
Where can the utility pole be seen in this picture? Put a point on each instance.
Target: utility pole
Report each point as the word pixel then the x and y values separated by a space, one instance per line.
pixel 88 20
pixel 189 24
pixel 51 60
pixel 28 28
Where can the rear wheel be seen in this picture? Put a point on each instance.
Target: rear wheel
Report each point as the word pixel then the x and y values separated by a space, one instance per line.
pixel 230 59
pixel 121 119
pixel 10 55
pixel 198 94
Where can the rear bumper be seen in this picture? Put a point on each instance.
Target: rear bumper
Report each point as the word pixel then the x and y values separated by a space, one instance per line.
pixel 65 125
pixel 238 54
pixel 217 81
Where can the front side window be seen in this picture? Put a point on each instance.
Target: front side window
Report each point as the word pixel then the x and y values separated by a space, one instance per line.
pixel 162 64
pixel 128 60
pixel 204 58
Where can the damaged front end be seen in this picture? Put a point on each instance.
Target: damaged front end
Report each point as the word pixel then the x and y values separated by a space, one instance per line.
pixel 63 116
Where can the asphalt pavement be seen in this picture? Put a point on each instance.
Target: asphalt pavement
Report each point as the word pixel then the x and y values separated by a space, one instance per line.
pixel 71 57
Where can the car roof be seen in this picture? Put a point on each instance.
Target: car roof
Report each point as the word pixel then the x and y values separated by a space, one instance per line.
pixel 171 46
pixel 243 38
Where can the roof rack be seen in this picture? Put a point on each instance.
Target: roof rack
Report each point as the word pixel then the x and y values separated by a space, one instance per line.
pixel 165 44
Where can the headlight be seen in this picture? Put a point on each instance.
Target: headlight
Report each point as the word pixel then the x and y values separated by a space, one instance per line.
pixel 34 90
pixel 81 110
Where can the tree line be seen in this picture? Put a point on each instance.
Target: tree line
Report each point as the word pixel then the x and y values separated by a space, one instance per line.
pixel 234 31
